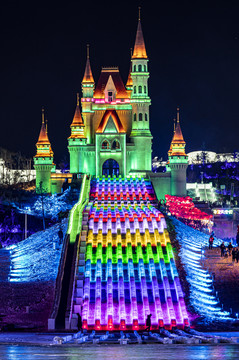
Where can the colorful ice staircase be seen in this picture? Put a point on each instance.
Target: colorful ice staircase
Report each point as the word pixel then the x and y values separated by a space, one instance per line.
pixel 126 269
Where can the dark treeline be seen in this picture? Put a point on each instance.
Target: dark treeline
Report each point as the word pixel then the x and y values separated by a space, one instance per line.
pixel 15 160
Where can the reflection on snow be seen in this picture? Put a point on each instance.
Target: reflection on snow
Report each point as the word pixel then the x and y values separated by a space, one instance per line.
pixel 202 294
pixel 36 258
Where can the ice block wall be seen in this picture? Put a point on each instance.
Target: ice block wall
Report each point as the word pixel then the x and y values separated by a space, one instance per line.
pixel 129 264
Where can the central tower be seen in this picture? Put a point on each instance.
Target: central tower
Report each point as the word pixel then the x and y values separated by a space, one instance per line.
pixel 140 100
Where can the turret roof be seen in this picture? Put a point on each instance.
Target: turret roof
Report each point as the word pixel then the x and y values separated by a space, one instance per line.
pixel 88 77
pixel 43 136
pixel 129 80
pixel 178 136
pixel 77 120
pixel 177 146
pixel 139 46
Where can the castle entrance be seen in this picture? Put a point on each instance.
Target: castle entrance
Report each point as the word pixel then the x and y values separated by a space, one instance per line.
pixel 110 167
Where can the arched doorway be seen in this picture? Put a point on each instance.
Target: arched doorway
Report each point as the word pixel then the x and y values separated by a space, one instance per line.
pixel 110 167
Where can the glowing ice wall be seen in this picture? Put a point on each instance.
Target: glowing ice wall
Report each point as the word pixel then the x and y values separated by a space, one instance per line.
pixel 130 270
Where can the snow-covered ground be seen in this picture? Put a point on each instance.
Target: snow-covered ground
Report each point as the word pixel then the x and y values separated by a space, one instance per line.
pixel 52 204
pixel 202 294
pixel 37 258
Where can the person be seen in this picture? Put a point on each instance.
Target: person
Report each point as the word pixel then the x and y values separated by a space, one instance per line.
pixel 234 255
pixel 237 255
pixel 237 238
pixel 222 247
pixel 211 239
pixel 159 204
pixel 148 323
pixel 230 247
pixel 60 235
pixel 79 322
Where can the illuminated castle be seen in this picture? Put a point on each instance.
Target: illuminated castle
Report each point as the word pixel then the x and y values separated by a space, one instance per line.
pixel 112 134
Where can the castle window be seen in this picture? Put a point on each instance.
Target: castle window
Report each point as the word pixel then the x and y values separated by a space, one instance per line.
pixel 140 89
pixel 134 89
pixel 134 68
pixel 140 68
pixel 146 117
pixel 145 68
pixel 145 89
pixel 135 117
pixel 110 96
pixel 140 117
pixel 105 145
pixel 115 145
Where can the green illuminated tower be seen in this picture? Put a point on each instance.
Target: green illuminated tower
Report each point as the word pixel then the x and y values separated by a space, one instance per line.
pixel 141 136
pixel 43 160
pixel 77 141
pixel 178 162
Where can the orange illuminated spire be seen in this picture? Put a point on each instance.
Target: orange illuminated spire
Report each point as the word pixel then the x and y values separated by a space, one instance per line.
pixel 77 120
pixel 129 83
pixel 177 146
pixel 178 136
pixel 139 46
pixel 43 137
pixel 88 77
pixel 43 144
pixel 77 125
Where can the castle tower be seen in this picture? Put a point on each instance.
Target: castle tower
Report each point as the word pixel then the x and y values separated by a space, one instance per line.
pixel 76 140
pixel 140 134
pixel 43 160
pixel 88 86
pixel 178 161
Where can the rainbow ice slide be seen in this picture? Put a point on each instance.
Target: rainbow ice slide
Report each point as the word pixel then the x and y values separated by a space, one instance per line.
pixel 129 267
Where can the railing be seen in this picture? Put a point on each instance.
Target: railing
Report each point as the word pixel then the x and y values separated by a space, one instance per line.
pixel 69 237
pixel 58 285
pixel 75 219
pixel 74 231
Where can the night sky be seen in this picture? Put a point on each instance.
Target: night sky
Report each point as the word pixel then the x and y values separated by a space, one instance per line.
pixel 193 50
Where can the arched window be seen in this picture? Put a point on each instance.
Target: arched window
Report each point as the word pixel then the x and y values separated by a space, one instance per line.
pixel 146 117
pixel 135 118
pixel 140 68
pixel 145 68
pixel 134 68
pixel 115 145
pixel 140 116
pixel 134 89
pixel 145 89
pixel 140 89
pixel 105 145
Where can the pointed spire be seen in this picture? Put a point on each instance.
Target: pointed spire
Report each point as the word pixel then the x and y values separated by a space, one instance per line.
pixel 129 83
pixel 177 146
pixel 178 136
pixel 77 125
pixel 177 114
pixel 43 144
pixel 88 77
pixel 77 120
pixel 139 46
pixel 43 137
pixel 42 115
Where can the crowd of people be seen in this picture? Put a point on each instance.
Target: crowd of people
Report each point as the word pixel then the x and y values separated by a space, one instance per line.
pixel 228 250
